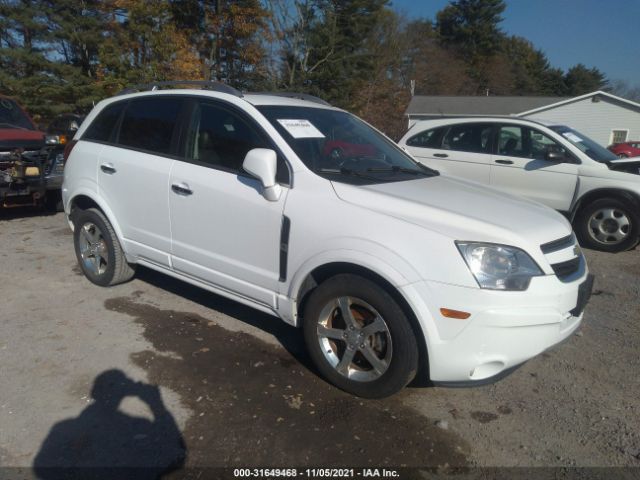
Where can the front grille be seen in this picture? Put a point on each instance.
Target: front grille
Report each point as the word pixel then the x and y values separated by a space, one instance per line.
pixel 566 269
pixel 556 245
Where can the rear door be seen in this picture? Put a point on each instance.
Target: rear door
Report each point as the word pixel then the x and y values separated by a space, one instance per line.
pixel 133 174
pixel 519 167
pixel 462 150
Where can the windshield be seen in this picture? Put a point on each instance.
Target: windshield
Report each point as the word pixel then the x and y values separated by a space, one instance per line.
pixel 585 144
pixel 339 146
pixel 12 116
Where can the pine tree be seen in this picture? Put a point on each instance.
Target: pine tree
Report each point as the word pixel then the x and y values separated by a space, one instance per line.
pixel 580 80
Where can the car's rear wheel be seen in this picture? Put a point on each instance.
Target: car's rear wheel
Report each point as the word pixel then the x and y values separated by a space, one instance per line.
pixel 623 155
pixel 359 337
pixel 98 250
pixel 608 224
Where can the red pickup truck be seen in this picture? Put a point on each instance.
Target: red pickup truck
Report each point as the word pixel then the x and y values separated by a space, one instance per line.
pixel 25 161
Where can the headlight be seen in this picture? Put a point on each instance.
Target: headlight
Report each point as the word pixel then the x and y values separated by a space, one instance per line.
pixel 499 267
pixel 52 139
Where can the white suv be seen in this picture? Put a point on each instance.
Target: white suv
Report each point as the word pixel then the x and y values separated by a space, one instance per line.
pixel 551 164
pixel 303 211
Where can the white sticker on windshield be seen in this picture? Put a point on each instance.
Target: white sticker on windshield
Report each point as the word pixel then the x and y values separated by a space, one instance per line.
pixel 572 137
pixel 301 128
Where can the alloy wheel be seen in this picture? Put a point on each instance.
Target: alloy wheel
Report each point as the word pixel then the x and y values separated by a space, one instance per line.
pixel 93 249
pixel 354 339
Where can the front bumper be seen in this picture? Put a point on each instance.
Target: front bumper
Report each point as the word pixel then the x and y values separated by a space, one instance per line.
pixel 504 330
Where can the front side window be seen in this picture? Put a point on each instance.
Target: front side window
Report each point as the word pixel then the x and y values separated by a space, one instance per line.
pixel 12 116
pixel 427 139
pixel 148 123
pixel 469 137
pixel 101 128
pixel 541 144
pixel 524 142
pixel 220 138
pixel 339 146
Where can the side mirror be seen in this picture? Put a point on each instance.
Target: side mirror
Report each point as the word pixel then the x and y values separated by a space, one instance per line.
pixel 555 156
pixel 262 164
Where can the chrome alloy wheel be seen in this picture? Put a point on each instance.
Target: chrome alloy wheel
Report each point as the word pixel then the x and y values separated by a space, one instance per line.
pixel 609 226
pixel 93 249
pixel 354 339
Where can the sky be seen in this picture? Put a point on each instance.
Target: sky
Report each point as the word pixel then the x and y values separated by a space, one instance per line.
pixel 597 33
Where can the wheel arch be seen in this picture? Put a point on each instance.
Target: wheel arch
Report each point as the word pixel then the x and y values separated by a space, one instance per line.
pixel 84 201
pixel 320 273
pixel 626 196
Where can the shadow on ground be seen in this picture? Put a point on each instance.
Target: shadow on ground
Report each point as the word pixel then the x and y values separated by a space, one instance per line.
pixel 256 404
pixel 105 443
pixel 24 212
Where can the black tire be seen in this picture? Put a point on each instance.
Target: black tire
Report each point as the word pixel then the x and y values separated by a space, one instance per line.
pixel 588 236
pixel 403 363
pixel 623 155
pixel 53 201
pixel 116 269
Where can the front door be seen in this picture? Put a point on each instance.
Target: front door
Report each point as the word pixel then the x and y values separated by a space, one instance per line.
pixel 519 167
pixel 224 232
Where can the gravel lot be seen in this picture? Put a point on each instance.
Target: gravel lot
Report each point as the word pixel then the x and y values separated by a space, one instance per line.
pixel 236 388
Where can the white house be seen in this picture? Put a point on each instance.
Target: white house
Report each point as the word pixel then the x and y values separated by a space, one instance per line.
pixel 602 116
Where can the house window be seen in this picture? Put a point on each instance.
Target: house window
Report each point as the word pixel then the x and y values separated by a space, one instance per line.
pixel 619 136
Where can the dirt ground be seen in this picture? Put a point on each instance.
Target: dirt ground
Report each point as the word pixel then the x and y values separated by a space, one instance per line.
pixel 78 366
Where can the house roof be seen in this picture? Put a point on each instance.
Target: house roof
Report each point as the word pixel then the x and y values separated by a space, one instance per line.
pixel 599 93
pixel 499 105
pixel 478 105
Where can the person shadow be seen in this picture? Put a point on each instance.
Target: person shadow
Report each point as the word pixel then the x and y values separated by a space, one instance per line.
pixel 105 443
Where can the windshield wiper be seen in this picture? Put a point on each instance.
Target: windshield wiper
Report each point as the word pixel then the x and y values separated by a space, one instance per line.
pixel 347 171
pixel 396 168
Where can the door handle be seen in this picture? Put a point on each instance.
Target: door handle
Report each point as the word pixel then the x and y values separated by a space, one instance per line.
pixel 181 189
pixel 505 162
pixel 108 168
pixel 440 155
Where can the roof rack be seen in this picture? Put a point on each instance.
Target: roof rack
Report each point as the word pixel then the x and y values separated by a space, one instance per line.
pixel 203 84
pixel 299 96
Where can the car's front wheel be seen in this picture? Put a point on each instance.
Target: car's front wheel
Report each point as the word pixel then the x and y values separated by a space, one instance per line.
pixel 98 250
pixel 359 337
pixel 608 224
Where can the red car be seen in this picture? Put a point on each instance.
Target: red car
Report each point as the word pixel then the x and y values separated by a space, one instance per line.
pixel 338 149
pixel 626 149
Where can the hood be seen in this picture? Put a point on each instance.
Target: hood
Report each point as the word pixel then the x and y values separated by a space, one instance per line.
pixel 12 138
pixel 20 134
pixel 461 210
pixel 629 165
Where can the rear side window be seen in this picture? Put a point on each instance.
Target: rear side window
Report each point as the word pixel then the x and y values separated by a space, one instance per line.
pixel 101 128
pixel 427 139
pixel 469 137
pixel 148 123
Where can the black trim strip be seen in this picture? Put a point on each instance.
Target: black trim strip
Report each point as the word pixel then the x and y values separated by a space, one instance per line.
pixel 284 247
pixel 560 244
